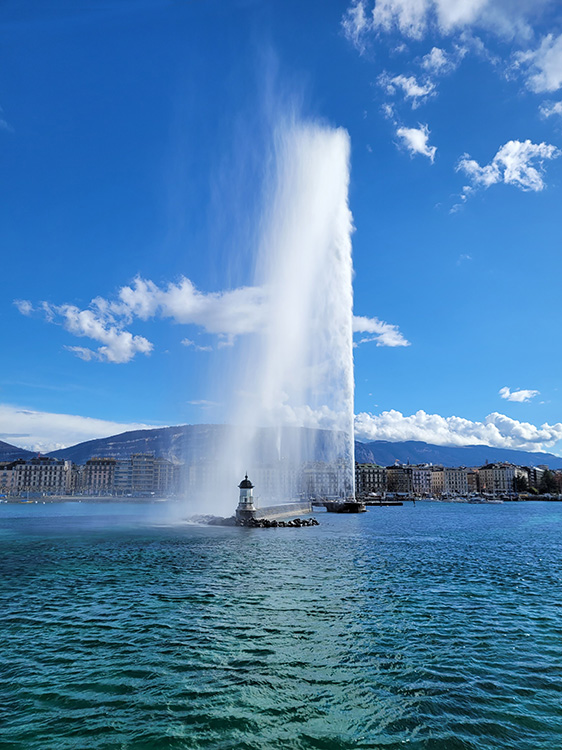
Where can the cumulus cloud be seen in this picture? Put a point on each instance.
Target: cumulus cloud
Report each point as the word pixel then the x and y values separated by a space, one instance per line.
pixel 385 334
pixel 46 431
pixel 235 311
pixel 412 89
pixel 438 62
pixel 519 394
pixel 496 430
pixel 226 314
pixel 514 164
pixel 543 65
pixel 416 18
pixel 413 17
pixel 415 140
pixel 118 345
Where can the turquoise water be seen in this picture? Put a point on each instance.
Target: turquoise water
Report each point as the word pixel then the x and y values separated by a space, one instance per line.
pixel 436 626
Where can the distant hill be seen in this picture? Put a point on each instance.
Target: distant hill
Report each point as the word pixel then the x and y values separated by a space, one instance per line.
pixel 12 452
pixel 386 453
pixel 192 443
pixel 182 443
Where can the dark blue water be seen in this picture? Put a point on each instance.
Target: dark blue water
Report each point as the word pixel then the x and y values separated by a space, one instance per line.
pixel 437 626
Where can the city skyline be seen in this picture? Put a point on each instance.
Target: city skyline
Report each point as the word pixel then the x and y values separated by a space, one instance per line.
pixel 135 137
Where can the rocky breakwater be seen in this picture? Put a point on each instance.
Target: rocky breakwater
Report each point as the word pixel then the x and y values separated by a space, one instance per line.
pixel 273 523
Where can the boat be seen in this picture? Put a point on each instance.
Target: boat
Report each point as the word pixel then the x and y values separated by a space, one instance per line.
pixel 345 506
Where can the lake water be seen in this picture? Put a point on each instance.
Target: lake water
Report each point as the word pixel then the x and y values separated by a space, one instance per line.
pixel 437 626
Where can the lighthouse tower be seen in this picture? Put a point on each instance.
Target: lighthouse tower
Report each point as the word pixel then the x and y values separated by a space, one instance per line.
pixel 246 508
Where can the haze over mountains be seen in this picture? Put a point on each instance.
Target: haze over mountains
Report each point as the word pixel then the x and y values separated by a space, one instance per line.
pixel 192 443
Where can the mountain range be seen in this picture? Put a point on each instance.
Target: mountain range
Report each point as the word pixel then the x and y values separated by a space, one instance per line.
pixel 415 452
pixel 11 452
pixel 192 443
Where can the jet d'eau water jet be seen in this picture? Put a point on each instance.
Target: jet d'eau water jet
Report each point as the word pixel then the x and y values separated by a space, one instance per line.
pixel 290 394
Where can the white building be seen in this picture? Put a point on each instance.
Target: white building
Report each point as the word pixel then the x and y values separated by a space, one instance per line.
pixel 43 475
pixel 455 481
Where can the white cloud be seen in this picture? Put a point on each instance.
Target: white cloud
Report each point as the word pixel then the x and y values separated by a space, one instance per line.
pixel 438 62
pixel 544 65
pixel 234 312
pixel 550 109
pixel 226 314
pixel 388 111
pixel 496 430
pixel 385 334
pixel 519 394
pixel 416 141
pixel 45 431
pixel 82 352
pixel 513 164
pixel 412 17
pixel 24 306
pixel 416 18
pixel 356 24
pixel 118 345
pixel 411 88
pixel 197 347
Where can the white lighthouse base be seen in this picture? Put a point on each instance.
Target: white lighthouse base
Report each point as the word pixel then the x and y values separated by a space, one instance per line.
pixel 245 513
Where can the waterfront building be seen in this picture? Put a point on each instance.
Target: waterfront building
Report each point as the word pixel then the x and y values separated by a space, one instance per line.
pixel 370 478
pixel 534 476
pixel 322 480
pixel 7 476
pixel 43 475
pixel 472 480
pixel 123 482
pixel 278 481
pixel 421 480
pixel 497 479
pixel 166 476
pixel 399 478
pixel 437 481
pixel 98 476
pixel 142 473
pixel 455 481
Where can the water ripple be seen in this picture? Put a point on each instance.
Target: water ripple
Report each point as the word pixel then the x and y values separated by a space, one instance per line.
pixel 435 627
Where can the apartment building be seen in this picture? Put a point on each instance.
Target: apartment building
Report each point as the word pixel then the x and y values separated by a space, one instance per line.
pixel 455 481
pixel 370 478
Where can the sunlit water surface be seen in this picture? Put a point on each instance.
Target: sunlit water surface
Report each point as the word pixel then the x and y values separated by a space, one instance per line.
pixel 434 626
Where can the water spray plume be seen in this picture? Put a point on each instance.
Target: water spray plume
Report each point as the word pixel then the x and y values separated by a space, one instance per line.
pixel 291 396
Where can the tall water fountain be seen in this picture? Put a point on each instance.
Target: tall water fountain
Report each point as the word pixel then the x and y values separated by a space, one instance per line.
pixel 291 394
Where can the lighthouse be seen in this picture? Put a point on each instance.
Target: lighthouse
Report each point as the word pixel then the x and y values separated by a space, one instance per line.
pixel 246 508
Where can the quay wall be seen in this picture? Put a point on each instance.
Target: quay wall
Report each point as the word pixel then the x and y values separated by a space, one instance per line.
pixel 300 507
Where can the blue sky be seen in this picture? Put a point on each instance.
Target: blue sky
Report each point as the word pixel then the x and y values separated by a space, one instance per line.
pixel 133 136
